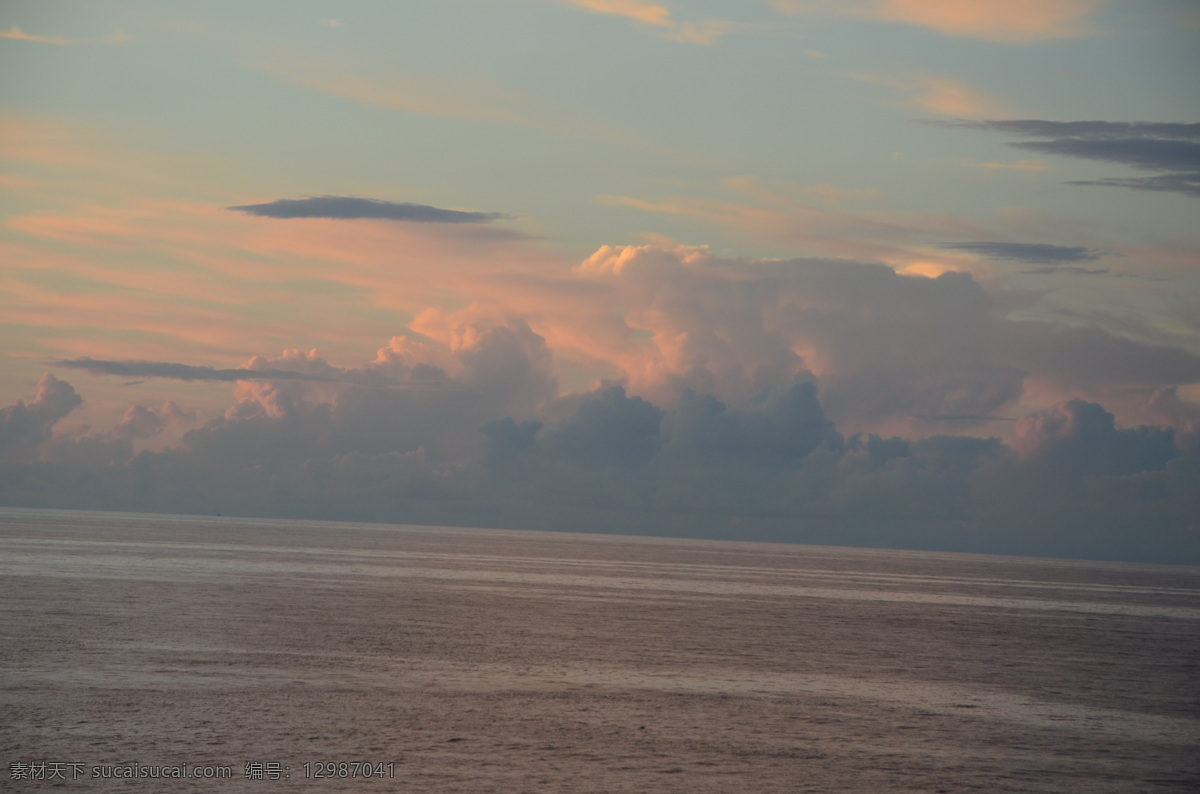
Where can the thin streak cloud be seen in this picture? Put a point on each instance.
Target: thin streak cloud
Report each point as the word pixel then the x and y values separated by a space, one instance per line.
pixel 632 9
pixel 1032 253
pixel 659 17
pixel 184 372
pixel 424 95
pixel 943 95
pixel 1173 149
pixel 1011 22
pixel 14 33
pixel 353 208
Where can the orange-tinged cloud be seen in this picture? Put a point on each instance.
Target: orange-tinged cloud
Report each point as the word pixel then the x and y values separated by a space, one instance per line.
pixel 124 218
pixel 409 93
pixel 1009 22
pixel 929 269
pixel 386 261
pixel 15 33
pixel 953 98
pixel 115 272
pixel 631 9
pixel 702 32
pixel 769 215
pixel 124 311
pixel 943 95
pixel 705 32
pixel 464 96
pixel 27 140
pixel 191 279
pixel 170 280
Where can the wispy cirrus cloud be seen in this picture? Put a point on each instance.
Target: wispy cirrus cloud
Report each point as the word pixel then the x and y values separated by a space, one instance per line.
pixel 411 93
pixel 659 17
pixel 14 33
pixel 636 10
pixel 352 207
pixel 476 96
pixel 1011 22
pixel 705 31
pixel 944 95
pixel 1169 148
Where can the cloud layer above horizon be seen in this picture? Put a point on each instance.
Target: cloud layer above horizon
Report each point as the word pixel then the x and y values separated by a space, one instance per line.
pixel 787 400
pixel 838 272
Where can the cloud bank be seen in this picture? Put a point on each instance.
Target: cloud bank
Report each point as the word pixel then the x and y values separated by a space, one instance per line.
pixel 1073 483
pixel 802 400
pixel 352 208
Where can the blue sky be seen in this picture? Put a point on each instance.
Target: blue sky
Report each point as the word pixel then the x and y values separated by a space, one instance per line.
pixel 897 203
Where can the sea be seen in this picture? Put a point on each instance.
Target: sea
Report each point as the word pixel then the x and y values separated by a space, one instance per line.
pixel 184 653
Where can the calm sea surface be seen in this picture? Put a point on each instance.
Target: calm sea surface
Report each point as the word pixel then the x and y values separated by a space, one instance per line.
pixel 347 657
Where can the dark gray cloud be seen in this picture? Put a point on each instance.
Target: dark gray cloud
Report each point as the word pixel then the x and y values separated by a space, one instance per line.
pixel 1094 130
pixel 26 426
pixel 609 428
pixel 1083 358
pixel 80 446
pixel 1031 253
pixel 963 418
pixel 142 422
pixel 781 425
pixel 504 372
pixel 1081 437
pixel 1066 271
pixel 351 207
pixel 260 368
pixel 1074 483
pixel 1185 182
pixel 1173 149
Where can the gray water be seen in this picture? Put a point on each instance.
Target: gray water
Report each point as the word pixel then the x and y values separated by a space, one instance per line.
pixel 486 660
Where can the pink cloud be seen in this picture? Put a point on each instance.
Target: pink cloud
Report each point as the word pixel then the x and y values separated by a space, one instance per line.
pixel 760 213
pixel 943 95
pixel 1012 22
pixel 636 10
pixel 659 18
pixel 16 34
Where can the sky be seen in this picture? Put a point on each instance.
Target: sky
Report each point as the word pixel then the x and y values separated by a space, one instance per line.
pixel 903 273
